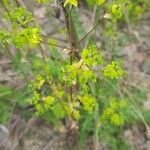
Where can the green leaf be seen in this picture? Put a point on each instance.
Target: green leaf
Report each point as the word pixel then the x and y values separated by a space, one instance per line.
pixel 19 16
pixel 73 2
pixel 99 2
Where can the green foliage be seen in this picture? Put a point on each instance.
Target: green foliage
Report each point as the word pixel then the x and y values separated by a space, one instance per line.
pixel 116 11
pixel 113 112
pixel 29 36
pixel 11 98
pixel 19 16
pixel 91 56
pixel 4 38
pixel 91 2
pixel 88 102
pixel 112 136
pixel 84 89
pixel 78 71
pixel 22 34
pixel 5 95
pixel 113 70
pixel 99 2
pixel 73 2
pixel 26 37
pixel 42 103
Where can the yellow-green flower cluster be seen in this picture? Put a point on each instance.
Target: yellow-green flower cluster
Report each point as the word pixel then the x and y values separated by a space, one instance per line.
pixel 5 37
pixel 19 16
pixel 78 71
pixel 75 2
pixel 82 70
pixel 29 36
pixel 113 112
pixel 72 110
pixel 40 81
pixel 92 56
pixel 99 2
pixel 88 102
pixel 42 103
pixel 117 11
pixel 113 70
pixel 117 119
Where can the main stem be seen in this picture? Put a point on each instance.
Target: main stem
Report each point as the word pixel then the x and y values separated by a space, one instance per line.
pixel 71 47
pixel 67 12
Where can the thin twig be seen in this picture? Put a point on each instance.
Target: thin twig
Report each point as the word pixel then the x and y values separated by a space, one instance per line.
pixel 71 47
pixel 83 38
pixel 56 45
pixel 137 109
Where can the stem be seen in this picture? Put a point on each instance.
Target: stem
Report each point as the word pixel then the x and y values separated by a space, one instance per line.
pixel 71 55
pixel 70 39
pixel 97 125
pixel 56 45
pixel 84 37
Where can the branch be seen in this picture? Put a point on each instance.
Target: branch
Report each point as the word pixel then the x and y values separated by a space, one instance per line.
pixel 54 45
pixel 83 38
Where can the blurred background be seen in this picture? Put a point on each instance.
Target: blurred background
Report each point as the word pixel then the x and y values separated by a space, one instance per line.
pixel 127 38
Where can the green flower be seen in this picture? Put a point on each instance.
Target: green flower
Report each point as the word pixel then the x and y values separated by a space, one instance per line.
pixel 29 36
pixel 117 119
pixel 48 101
pixel 91 56
pixel 88 102
pixel 116 10
pixel 113 70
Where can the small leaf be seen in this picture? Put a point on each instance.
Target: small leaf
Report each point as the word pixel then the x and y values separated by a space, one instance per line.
pixel 99 2
pixel 73 2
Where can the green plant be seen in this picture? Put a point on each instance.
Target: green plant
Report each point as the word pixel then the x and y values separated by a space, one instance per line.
pixel 80 87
